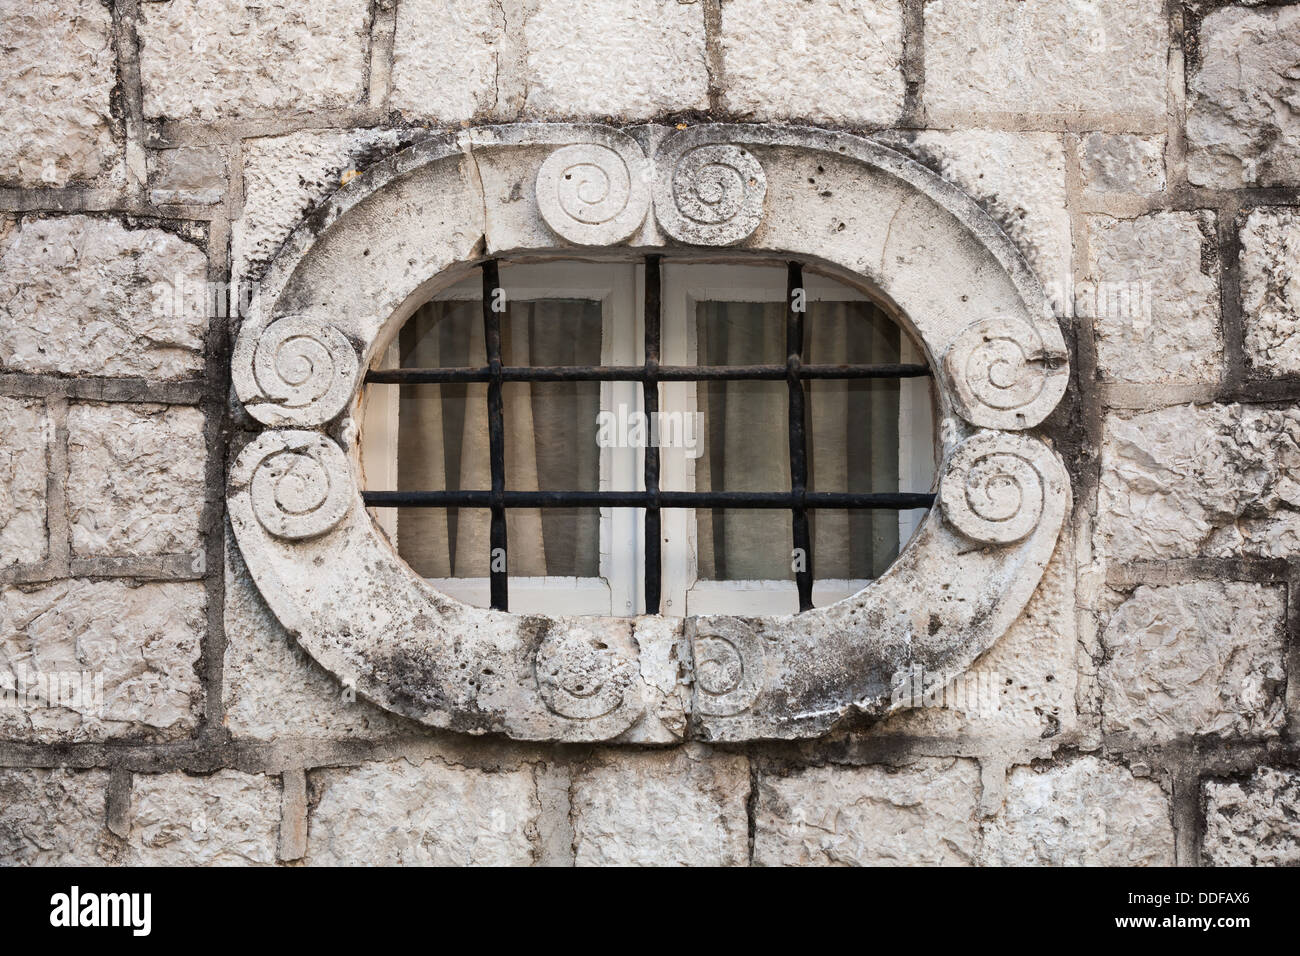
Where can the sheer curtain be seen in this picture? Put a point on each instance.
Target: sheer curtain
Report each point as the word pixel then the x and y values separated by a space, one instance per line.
pixel 550 439
pixel 852 434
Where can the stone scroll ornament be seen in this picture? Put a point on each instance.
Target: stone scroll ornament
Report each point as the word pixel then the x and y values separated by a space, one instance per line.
pixel 299 483
pixel 708 194
pixel 580 676
pixel 1004 375
pixel 595 194
pixel 996 484
pixel 711 195
pixel 298 372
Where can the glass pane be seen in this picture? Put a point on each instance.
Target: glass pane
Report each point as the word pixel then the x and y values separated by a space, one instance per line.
pixel 550 439
pixel 852 429
pixel 852 440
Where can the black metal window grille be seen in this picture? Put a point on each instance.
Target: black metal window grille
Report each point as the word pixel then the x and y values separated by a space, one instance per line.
pixel 799 500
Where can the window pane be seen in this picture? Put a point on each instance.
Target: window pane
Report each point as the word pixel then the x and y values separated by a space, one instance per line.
pixel 746 444
pixel 852 429
pixel 852 440
pixel 550 438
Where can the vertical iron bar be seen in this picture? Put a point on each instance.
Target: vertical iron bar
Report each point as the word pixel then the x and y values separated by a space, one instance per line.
pixel 497 554
pixel 650 399
pixel 796 302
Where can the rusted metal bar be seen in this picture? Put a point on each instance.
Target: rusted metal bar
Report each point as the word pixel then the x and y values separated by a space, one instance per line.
pixel 650 398
pixel 780 500
pixel 637 373
pixel 802 556
pixel 497 553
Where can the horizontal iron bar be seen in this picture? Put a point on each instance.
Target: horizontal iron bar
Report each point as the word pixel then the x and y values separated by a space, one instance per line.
pixel 890 501
pixel 636 373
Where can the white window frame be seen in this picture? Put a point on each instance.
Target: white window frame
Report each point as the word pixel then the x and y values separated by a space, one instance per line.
pixel 619 590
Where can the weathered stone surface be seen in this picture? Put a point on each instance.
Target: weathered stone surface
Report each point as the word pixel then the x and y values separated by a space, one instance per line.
pixel 923 814
pixel 124 654
pixel 1151 289
pixel 135 479
pixel 1122 163
pixel 284 176
pixel 193 174
pixel 1084 813
pixel 82 294
pixel 25 435
pixel 1199 658
pixel 1019 178
pixel 1270 289
pixel 1243 120
pixel 226 819
pixel 683 807
pixel 426 813
pixel 219 59
pixel 1005 55
pixel 1023 688
pixel 52 817
pixel 272 688
pixel 769 48
pixel 630 60
pixel 56 78
pixel 453 666
pixel 1217 480
pixel 447 58
pixel 1255 822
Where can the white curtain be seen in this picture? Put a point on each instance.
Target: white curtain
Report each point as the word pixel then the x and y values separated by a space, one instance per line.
pixel 852 435
pixel 550 439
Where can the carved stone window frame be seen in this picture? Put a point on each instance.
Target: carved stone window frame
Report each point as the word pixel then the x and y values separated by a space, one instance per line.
pixel 359 266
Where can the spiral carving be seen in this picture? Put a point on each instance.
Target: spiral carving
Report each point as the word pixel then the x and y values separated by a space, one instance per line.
pixel 713 196
pixel 594 194
pixel 993 490
pixel 728 670
pixel 580 676
pixel 304 370
pixel 300 487
pixel 1004 375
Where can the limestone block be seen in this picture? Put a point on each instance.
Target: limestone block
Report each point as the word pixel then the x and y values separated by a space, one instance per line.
pixel 82 294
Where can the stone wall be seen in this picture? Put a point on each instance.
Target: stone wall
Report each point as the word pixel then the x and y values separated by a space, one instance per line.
pixel 1144 155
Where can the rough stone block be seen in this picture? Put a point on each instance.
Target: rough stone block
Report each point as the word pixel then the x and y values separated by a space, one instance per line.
pixel 222 59
pixel 56 81
pixel 1243 118
pixel 1254 822
pixel 683 807
pixel 828 61
pixel 447 58
pixel 630 60
pixel 1122 163
pixel 1084 813
pixel 194 174
pixel 135 479
pixel 25 434
pixel 1151 289
pixel 226 819
pixel 53 817
pixel 284 176
pixel 88 295
pixel 1199 658
pixel 428 813
pixel 1010 56
pixel 1270 289
pixel 1217 480
pixel 922 814
pixel 94 660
